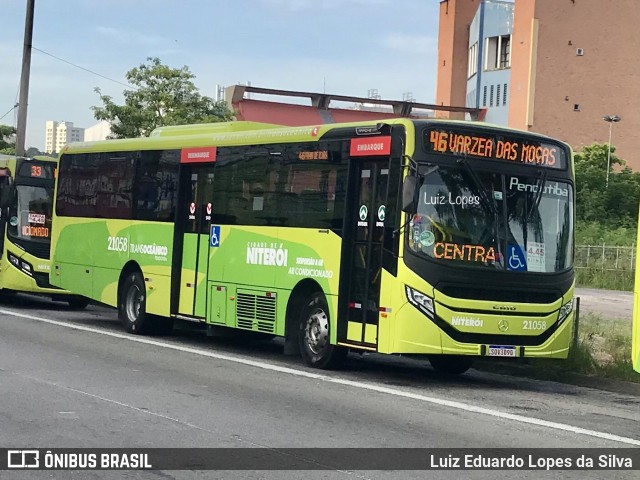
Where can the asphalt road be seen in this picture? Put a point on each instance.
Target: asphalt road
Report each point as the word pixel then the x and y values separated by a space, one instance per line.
pixel 606 303
pixel 73 379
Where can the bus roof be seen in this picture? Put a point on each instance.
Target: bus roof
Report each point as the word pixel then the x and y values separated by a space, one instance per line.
pixel 44 158
pixel 241 133
pixel 203 128
pixel 219 137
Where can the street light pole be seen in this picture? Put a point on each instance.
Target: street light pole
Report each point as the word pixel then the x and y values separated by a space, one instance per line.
pixel 611 119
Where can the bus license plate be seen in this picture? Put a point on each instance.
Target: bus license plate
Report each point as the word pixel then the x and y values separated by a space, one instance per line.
pixel 501 351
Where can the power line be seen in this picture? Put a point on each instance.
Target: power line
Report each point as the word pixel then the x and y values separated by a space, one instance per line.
pixel 85 69
pixel 10 110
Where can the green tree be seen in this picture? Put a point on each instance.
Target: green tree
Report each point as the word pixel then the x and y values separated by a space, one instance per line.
pixel 615 205
pixel 7 140
pixel 33 151
pixel 163 96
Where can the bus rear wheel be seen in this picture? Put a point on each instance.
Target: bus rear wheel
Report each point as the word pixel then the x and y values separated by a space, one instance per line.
pixel 132 309
pixel 451 364
pixel 314 335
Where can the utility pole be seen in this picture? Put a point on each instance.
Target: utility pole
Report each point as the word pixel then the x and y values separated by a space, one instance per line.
pixel 611 119
pixel 21 130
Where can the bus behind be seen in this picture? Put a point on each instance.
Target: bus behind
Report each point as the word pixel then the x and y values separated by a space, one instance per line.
pixel 26 197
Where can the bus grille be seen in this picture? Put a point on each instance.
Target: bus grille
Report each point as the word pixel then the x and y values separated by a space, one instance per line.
pixel 499 295
pixel 256 312
pixel 37 249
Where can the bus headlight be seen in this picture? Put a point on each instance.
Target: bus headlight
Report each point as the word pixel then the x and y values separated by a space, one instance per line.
pixel 21 265
pixel 14 260
pixel 565 310
pixel 422 302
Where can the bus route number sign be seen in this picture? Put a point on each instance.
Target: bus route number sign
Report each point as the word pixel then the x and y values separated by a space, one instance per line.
pixel 510 148
pixel 28 169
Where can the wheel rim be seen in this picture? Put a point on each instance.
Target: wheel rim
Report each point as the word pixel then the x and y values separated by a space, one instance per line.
pixel 133 303
pixel 316 332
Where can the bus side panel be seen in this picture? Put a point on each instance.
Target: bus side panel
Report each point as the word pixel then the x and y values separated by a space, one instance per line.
pixel 280 258
pixel 635 340
pixel 73 260
pixel 151 247
pixel 270 258
pixel 158 288
pixel 90 256
pixel 635 333
pixel 313 254
pixel 105 285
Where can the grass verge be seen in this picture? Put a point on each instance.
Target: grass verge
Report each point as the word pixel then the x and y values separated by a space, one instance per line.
pixel 602 353
pixel 607 279
pixel 603 348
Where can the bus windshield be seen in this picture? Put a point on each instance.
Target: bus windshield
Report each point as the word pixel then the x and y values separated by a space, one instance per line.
pixel 492 220
pixel 30 215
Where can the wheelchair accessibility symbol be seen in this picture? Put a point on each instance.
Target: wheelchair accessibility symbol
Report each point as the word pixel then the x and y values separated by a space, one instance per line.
pixel 516 260
pixel 214 237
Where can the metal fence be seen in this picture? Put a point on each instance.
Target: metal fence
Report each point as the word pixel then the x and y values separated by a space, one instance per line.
pixel 603 257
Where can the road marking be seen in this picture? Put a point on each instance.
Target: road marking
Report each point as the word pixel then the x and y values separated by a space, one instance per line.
pixel 340 381
pixel 145 411
pixel 108 400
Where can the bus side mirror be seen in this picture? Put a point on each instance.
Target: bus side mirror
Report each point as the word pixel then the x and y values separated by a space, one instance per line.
pixel 6 189
pixel 409 193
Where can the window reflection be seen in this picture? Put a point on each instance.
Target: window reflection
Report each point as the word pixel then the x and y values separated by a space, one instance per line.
pixel 515 223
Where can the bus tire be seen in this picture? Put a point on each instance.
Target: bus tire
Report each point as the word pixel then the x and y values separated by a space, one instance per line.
pixel 132 309
pixel 451 364
pixel 78 303
pixel 132 304
pixel 314 336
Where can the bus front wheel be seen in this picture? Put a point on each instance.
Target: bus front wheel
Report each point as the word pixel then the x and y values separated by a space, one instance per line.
pixel 451 364
pixel 132 309
pixel 313 335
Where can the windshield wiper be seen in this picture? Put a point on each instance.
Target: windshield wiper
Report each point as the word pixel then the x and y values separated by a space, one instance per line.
pixel 486 200
pixel 536 201
pixel 481 189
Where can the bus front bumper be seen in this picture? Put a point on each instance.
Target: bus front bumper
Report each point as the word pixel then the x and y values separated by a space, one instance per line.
pixel 418 334
pixel 18 280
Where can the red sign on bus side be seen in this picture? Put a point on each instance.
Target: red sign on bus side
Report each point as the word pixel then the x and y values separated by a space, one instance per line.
pixel 198 155
pixel 365 147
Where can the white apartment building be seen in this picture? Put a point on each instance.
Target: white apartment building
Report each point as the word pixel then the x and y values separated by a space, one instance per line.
pixel 99 131
pixel 58 134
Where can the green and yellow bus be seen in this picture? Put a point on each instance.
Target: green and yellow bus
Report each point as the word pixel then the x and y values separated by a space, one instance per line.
pixel 26 206
pixel 452 240
pixel 635 329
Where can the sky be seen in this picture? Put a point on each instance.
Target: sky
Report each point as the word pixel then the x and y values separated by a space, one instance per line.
pixel 342 47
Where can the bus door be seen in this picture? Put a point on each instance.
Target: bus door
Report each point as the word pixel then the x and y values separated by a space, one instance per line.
pixel 363 245
pixel 6 190
pixel 191 241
